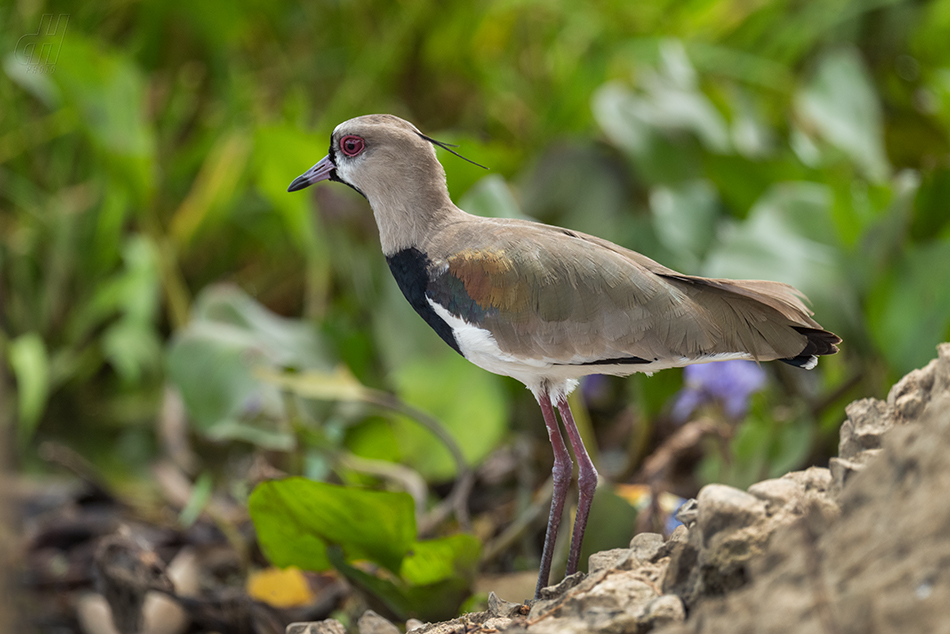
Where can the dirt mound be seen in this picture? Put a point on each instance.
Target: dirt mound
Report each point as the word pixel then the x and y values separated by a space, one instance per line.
pixel 882 565
pixel 863 546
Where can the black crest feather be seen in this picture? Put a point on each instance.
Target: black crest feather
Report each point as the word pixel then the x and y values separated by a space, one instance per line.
pixel 448 148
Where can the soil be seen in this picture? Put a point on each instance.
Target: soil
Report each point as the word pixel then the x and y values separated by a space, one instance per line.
pixel 860 547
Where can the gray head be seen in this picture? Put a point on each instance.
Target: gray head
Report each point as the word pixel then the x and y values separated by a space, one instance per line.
pixel 391 163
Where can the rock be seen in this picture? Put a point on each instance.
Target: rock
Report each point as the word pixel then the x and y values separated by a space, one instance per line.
pixel 812 480
pixel 499 607
pixel 858 547
pixel 686 514
pixel 842 470
pixel 372 623
pixel 865 552
pixel 414 624
pixel 723 510
pixel 778 493
pixel 552 592
pixel 647 546
pixel 661 611
pixel 329 626
pixel 909 396
pixel 609 600
pixel 867 421
pixel 609 559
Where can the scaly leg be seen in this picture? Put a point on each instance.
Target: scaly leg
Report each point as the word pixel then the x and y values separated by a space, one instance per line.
pixel 561 475
pixel 586 483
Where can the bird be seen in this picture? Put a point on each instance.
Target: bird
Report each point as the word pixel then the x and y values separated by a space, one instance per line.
pixel 547 305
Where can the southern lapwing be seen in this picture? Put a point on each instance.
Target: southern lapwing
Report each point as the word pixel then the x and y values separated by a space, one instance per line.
pixel 547 305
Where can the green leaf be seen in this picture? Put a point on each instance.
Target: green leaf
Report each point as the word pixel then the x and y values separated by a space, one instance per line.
pixel 841 105
pixel 788 237
pixel 297 518
pixel 668 103
pixel 468 401
pixel 790 446
pixel 212 366
pixel 391 593
pixel 436 578
pixel 909 311
pixel 684 217
pixel 133 348
pixel 30 363
pixel 224 360
pixel 436 560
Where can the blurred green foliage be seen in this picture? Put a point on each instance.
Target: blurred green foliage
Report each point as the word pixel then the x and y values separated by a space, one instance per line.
pixel 145 151
pixel 316 525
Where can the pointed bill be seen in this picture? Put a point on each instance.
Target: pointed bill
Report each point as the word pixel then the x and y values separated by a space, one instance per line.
pixel 320 172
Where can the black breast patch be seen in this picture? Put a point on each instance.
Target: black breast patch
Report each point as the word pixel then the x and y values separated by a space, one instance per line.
pixel 410 268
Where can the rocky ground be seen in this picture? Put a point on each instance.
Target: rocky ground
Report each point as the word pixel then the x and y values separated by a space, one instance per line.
pixel 862 547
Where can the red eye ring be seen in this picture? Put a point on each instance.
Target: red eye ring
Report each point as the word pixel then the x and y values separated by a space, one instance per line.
pixel 351 145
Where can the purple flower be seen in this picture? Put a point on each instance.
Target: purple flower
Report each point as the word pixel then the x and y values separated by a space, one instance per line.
pixel 595 387
pixel 729 383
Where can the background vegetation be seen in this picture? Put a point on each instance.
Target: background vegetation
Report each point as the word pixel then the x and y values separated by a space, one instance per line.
pixel 150 256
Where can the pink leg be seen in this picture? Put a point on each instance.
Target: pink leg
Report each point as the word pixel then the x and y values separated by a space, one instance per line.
pixel 586 483
pixel 561 474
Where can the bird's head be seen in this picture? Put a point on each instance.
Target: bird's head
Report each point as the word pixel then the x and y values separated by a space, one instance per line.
pixel 391 163
pixel 374 154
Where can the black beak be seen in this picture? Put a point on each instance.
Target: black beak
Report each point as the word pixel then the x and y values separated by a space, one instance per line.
pixel 319 172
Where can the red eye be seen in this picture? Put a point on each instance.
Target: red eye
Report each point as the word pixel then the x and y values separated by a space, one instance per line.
pixel 351 145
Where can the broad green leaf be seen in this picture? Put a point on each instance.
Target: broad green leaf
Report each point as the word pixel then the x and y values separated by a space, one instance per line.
pixel 659 153
pixel 909 311
pixel 436 560
pixel 133 348
pixel 840 103
pixel 435 579
pixel 287 342
pixel 790 446
pixel 224 363
pixel 30 363
pixel 669 102
pixel 213 367
pixel 296 519
pixel 931 216
pixel 388 590
pixel 467 400
pixel 788 237
pixel 684 218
